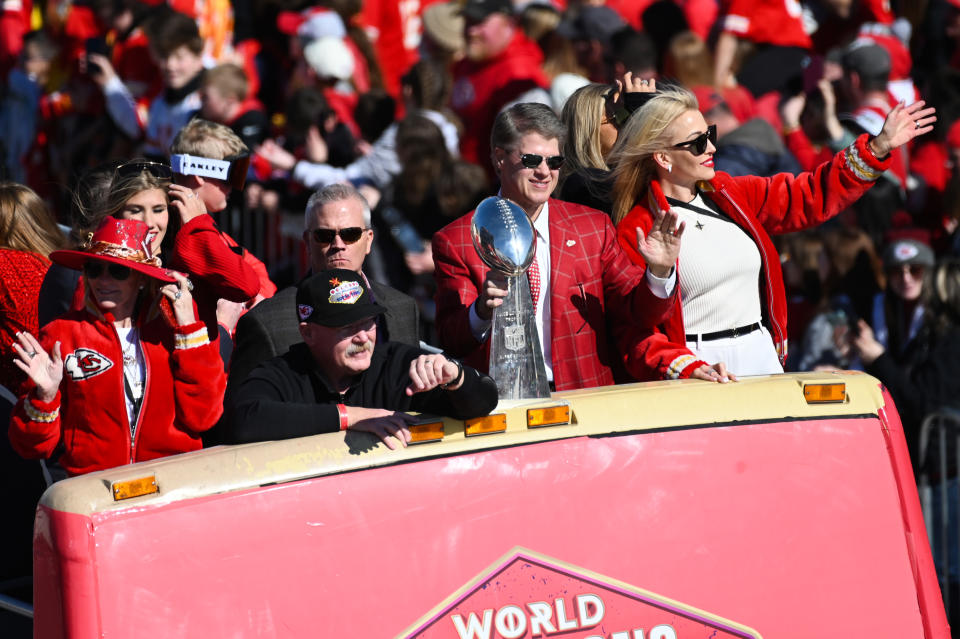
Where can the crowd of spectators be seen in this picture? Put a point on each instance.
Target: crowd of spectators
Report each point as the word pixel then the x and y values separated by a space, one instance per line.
pixel 398 101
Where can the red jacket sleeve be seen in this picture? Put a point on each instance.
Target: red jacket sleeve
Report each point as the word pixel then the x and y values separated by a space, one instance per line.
pixel 201 251
pixel 648 353
pixel 456 292
pixel 626 290
pixel 785 203
pixel 198 379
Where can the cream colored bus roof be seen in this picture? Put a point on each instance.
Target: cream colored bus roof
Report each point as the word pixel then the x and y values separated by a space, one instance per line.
pixel 612 409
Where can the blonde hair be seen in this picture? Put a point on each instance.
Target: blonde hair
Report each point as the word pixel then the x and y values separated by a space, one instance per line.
pixel 689 60
pixel 207 139
pixel 644 134
pixel 229 79
pixel 582 115
pixel 25 221
pixel 91 211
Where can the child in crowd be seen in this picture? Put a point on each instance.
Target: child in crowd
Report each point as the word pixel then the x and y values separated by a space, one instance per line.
pixel 225 98
pixel 211 160
pixel 177 49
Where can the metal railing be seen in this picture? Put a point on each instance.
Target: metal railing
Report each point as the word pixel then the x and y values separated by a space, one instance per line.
pixel 939 459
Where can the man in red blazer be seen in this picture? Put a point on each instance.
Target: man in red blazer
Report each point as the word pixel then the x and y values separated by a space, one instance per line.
pixel 588 289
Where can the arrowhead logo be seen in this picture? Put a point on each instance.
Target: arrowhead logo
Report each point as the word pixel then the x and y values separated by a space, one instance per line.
pixel 525 595
pixel 85 363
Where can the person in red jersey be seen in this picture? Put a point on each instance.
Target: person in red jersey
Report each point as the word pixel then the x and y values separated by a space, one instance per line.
pixel 501 66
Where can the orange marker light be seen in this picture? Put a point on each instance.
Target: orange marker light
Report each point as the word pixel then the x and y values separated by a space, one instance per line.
pixel 486 425
pixel 834 393
pixel 425 432
pixel 135 487
pixel 549 416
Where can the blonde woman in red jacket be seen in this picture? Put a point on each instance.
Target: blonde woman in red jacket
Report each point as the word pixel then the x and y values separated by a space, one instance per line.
pixel 130 377
pixel 730 317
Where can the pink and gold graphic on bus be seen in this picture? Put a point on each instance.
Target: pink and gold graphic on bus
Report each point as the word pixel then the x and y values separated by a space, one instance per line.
pixel 525 595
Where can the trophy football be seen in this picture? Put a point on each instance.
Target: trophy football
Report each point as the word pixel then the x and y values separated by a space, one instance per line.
pixel 506 241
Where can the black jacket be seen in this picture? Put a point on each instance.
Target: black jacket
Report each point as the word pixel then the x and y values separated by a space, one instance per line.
pixel 271 327
pixel 287 396
pixel 924 379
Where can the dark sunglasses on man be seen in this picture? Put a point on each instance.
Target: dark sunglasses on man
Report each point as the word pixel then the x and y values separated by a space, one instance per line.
pixel 698 145
pixel 349 235
pixel 94 269
pixel 532 161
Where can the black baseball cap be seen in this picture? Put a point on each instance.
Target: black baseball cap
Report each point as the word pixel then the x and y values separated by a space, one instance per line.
pixel 478 10
pixel 335 298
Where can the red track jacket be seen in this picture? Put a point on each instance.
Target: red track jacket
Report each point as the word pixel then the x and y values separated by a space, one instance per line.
pixel 183 395
pixel 760 206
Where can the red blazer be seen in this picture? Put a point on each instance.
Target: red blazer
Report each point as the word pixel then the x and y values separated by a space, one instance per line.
pixel 760 206
pixel 593 289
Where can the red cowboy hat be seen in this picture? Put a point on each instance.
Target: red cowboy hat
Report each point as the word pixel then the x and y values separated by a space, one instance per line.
pixel 123 242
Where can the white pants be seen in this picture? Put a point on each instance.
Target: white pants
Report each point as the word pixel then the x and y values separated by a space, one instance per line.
pixel 751 354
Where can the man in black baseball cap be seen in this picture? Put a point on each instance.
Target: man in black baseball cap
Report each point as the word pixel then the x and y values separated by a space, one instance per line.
pixel 340 378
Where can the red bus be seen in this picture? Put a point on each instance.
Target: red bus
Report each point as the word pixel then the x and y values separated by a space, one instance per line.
pixel 774 507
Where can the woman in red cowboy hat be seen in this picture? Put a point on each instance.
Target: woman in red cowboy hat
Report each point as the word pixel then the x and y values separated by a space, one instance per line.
pixel 180 229
pixel 130 377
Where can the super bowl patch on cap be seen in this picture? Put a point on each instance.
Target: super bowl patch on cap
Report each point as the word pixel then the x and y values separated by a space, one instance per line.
pixel 905 251
pixel 344 292
pixel 304 311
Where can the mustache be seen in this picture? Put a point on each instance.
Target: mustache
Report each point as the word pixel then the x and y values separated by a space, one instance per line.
pixel 355 349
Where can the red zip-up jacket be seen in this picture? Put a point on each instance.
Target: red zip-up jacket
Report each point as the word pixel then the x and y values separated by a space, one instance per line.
pixel 183 394
pixel 760 206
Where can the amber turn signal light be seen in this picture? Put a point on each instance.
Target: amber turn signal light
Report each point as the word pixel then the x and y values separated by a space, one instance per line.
pixel 834 393
pixel 135 487
pixel 548 416
pixel 428 431
pixel 485 425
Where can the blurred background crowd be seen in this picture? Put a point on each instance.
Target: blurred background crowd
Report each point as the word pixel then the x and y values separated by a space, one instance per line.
pixel 398 98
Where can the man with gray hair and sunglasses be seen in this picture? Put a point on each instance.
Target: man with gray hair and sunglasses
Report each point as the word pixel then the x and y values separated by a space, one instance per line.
pixel 586 292
pixel 337 234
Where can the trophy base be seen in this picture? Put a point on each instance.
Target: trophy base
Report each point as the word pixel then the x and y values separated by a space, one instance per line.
pixel 516 359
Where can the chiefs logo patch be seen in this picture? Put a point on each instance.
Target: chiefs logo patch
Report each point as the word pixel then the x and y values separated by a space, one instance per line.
pixel 84 363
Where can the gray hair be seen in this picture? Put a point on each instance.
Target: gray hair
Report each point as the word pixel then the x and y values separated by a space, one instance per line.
pixel 520 119
pixel 335 193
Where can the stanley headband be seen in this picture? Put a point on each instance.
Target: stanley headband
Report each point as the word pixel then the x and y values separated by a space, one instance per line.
pixel 232 169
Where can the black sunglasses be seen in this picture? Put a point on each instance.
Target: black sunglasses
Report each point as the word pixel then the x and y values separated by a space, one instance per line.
pixel 915 270
pixel 136 167
pixel 532 161
pixel 349 235
pixel 698 145
pixel 94 269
